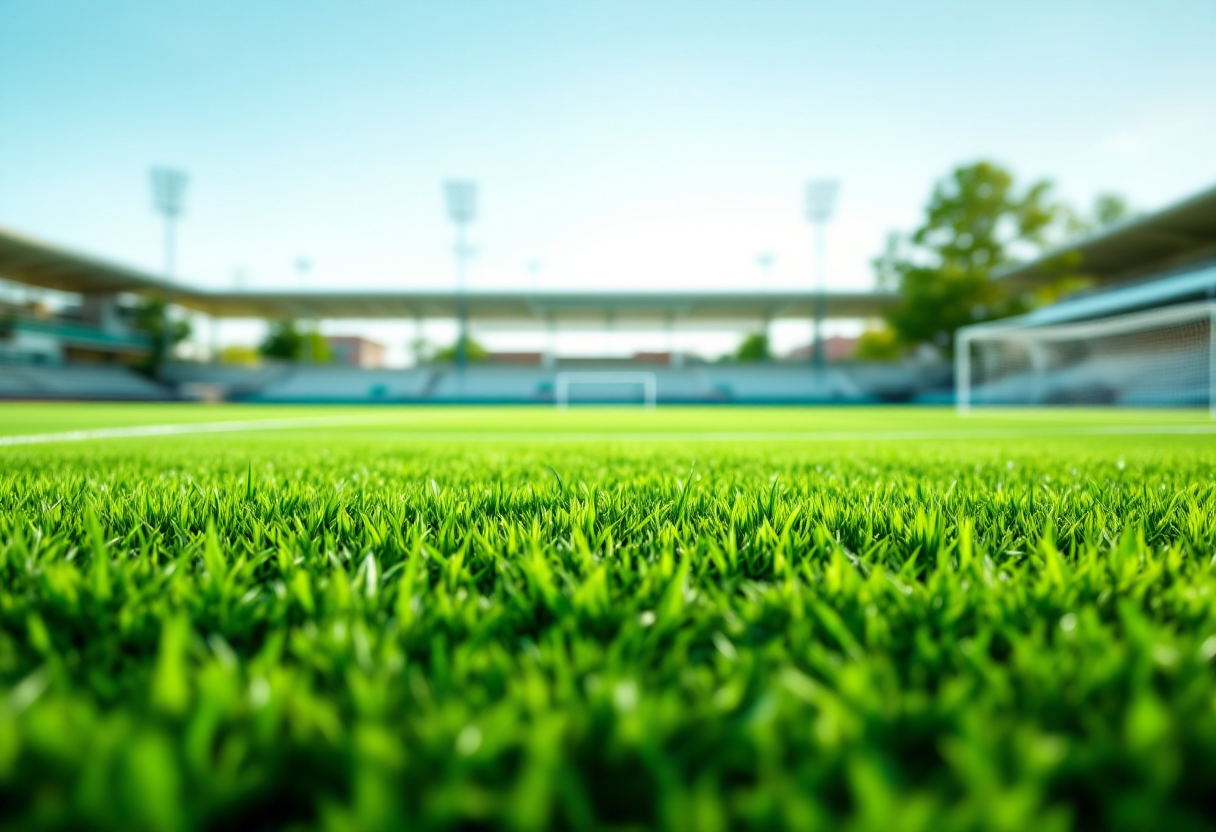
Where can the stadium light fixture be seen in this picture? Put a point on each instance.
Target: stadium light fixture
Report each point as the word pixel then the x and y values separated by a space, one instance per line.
pixel 765 261
pixel 169 200
pixel 820 204
pixel 461 198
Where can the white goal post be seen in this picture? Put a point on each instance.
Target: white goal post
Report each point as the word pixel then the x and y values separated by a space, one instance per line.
pixel 1158 357
pixel 647 381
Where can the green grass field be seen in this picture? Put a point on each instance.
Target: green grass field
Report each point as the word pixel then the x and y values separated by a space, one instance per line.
pixel 702 619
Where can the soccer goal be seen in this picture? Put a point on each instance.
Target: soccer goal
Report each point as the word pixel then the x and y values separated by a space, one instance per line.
pixel 647 382
pixel 1162 357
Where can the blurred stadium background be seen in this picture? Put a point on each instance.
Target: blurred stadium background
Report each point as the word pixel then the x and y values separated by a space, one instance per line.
pixel 73 326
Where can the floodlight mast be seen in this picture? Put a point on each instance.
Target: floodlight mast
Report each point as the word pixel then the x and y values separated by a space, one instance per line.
pixel 461 198
pixel 820 203
pixel 765 261
pixel 168 198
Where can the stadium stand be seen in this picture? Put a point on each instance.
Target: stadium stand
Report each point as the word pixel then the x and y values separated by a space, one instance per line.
pixel 342 384
pixel 756 383
pixel 103 294
pixel 77 382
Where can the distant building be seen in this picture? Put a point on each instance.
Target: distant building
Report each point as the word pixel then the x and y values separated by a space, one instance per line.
pixel 655 358
pixel 353 351
pixel 525 359
pixel 836 348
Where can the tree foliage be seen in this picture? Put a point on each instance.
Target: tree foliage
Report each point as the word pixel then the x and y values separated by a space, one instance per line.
pixel 473 351
pixel 240 354
pixel 877 344
pixel 977 219
pixel 286 341
pixel 1110 209
pixel 753 348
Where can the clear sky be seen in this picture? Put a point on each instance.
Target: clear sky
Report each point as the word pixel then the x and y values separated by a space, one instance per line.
pixel 640 144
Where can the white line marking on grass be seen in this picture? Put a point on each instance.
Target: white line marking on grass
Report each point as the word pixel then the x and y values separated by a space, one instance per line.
pixel 837 436
pixel 251 425
pixel 177 430
pixel 810 436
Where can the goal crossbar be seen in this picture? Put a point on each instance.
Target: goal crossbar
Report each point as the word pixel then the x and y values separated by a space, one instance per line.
pixel 647 381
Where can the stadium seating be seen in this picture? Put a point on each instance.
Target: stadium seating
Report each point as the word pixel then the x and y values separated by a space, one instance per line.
pixel 342 384
pixel 94 382
pixel 761 383
pixel 777 383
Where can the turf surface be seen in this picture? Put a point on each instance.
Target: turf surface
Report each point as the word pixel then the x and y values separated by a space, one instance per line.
pixel 373 618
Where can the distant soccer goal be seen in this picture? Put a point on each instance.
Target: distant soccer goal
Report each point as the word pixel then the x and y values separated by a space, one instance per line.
pixel 1160 357
pixel 644 383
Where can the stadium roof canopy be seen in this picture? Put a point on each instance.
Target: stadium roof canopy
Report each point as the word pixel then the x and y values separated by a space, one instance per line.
pixel 511 306
pixel 1171 239
pixel 36 263
pixel 26 260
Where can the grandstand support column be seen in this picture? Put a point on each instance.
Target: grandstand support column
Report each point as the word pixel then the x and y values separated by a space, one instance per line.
pixel 766 326
pixel 962 372
pixel 214 321
pixel 166 320
pixel 1212 362
pixel 548 358
pixel 418 343
pixel 308 328
pixel 462 310
pixel 820 298
pixel 675 359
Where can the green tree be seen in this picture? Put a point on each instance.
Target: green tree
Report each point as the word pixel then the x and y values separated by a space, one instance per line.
pixel 240 354
pixel 283 341
pixel 976 221
pixel 878 344
pixel 473 352
pixel 286 341
pixel 753 348
pixel 1110 209
pixel 150 320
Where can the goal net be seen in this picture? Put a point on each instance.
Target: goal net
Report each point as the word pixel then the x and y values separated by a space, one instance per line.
pixel 1156 358
pixel 606 388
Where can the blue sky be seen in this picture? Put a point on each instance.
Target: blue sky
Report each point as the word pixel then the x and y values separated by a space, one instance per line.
pixel 617 143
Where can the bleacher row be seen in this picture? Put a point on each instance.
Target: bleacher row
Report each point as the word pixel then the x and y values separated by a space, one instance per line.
pixel 740 383
pixel 759 383
pixel 495 384
pixel 77 382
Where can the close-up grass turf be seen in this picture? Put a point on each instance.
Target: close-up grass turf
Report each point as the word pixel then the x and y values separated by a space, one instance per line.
pixel 702 619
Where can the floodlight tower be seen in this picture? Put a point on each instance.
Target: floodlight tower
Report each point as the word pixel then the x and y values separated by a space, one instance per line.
pixel 461 197
pixel 169 199
pixel 820 202
pixel 765 261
